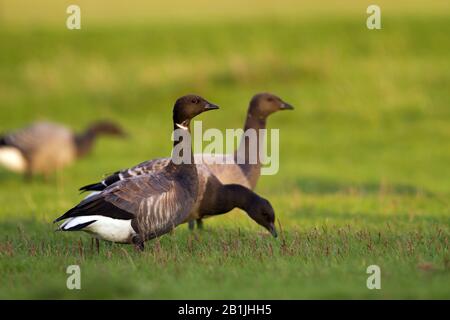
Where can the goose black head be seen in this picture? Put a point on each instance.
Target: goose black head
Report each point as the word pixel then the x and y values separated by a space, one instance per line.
pixel 262 212
pixel 264 104
pixel 189 106
pixel 106 128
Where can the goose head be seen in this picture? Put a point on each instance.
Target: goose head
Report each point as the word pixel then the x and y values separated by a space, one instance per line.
pixel 261 212
pixel 264 104
pixel 188 107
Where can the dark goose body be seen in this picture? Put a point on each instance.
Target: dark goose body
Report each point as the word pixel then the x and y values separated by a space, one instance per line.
pixel 139 208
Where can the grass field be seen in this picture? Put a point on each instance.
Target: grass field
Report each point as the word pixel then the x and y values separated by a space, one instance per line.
pixel 364 175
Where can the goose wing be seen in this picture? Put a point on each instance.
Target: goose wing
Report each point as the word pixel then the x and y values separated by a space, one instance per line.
pixel 155 203
pixel 147 167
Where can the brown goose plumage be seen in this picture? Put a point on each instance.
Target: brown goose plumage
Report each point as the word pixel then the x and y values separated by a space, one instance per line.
pixel 45 147
pixel 261 106
pixel 142 207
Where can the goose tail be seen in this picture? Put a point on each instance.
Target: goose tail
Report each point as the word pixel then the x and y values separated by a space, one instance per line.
pixel 66 215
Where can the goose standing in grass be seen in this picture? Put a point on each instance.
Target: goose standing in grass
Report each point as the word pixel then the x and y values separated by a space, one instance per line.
pixel 45 147
pixel 261 106
pixel 140 208
pixel 144 206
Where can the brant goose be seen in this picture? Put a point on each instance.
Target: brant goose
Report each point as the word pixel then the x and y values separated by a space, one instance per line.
pixel 143 207
pixel 45 147
pixel 214 197
pixel 261 106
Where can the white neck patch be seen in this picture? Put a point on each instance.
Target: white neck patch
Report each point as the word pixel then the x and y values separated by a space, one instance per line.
pixel 181 126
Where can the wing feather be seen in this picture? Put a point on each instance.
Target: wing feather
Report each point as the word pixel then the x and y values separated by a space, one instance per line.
pixel 147 167
pixel 155 202
pixel 158 202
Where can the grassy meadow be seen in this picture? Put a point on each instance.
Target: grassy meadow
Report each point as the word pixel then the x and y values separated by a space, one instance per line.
pixel 364 159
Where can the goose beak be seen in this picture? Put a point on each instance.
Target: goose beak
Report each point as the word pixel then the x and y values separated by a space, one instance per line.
pixel 286 106
pixel 211 106
pixel 273 230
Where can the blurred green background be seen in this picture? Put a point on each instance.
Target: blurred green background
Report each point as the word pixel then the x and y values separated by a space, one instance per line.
pixel 363 178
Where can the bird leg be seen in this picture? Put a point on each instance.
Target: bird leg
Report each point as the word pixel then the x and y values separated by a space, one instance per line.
pixel 28 176
pixel 199 224
pixel 191 225
pixel 138 243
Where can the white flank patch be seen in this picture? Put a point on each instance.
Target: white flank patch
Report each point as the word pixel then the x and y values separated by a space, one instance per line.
pixel 115 230
pixel 12 159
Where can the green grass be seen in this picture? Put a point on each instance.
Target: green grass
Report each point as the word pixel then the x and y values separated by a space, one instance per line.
pixel 363 177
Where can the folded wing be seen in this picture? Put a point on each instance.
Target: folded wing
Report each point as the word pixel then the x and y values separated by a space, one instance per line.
pixel 154 202
pixel 143 168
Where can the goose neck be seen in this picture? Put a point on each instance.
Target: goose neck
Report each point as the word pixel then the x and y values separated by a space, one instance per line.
pixel 182 144
pixel 84 142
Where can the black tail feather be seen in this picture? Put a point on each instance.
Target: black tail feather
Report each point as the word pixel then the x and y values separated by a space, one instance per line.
pixel 93 187
pixel 96 206
pixel 100 186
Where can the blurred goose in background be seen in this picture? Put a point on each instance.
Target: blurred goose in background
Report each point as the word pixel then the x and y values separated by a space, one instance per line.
pixel 261 106
pixel 45 147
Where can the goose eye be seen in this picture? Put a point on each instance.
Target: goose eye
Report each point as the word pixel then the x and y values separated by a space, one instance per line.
pixel 195 101
pixel 270 99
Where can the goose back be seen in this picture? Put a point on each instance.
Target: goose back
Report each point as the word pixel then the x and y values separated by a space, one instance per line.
pixel 231 172
pixel 45 146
